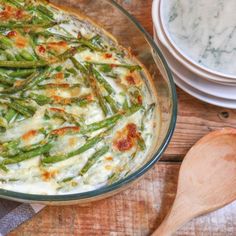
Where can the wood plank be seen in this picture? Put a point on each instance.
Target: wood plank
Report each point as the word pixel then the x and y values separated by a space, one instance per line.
pixel 136 211
pixel 195 119
pixel 141 10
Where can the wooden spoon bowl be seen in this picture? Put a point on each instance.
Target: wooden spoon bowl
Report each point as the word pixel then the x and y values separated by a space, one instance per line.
pixel 207 180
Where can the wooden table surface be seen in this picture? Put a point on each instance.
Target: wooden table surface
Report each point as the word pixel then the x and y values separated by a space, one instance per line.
pixel 140 209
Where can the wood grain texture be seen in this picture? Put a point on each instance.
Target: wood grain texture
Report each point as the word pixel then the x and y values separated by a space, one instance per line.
pixel 139 210
pixel 195 119
pixel 136 211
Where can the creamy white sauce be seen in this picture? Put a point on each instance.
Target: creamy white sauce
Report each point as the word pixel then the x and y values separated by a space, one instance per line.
pixel 203 31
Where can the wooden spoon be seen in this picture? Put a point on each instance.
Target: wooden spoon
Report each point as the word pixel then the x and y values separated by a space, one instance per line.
pixel 207 180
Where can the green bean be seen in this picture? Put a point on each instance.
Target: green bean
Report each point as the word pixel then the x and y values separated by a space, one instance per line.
pixel 4 168
pixel 40 99
pixel 125 105
pixel 59 68
pixel 102 124
pixel 67 54
pixel 64 56
pixel 4 71
pixel 8 180
pixel 6 41
pixel 88 145
pixel 19 117
pixel 116 176
pixel 27 155
pixel 105 68
pixel 48 34
pixel 97 92
pixel 25 111
pixel 148 111
pixel 33 45
pixel 68 179
pixel 82 69
pixel 89 44
pixel 3 123
pixel 93 159
pixel 42 16
pixel 3 86
pixel 61 114
pixel 136 97
pixel 26 83
pixel 102 104
pixel 27 105
pixel 45 11
pixel 129 67
pixel 79 66
pixel 62 86
pixel 18 57
pixel 24 64
pixel 124 169
pixel 6 81
pixel 15 25
pixel 15 3
pixel 141 143
pixel 37 33
pixel 10 148
pixel 36 145
pixel 11 145
pixel 103 82
pixel 133 109
pixel 26 55
pixel 32 81
pixel 106 123
pixel 21 73
pixel 96 40
pixel 80 101
pixel 8 55
pixel 10 115
pixel 71 71
pixel 112 103
pixel 20 106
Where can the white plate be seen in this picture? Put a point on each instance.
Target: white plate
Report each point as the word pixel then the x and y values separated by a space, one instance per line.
pixel 208 87
pixel 164 40
pixel 204 97
pixel 175 46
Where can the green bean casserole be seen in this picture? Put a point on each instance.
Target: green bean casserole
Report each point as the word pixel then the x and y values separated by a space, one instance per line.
pixel 75 110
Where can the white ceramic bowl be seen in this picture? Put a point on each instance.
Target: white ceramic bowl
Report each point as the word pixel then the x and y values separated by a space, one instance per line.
pixel 204 90
pixel 161 34
pixel 180 52
pixel 227 92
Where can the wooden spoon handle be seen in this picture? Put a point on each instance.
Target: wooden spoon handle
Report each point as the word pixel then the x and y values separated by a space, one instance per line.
pixel 164 229
pixel 181 212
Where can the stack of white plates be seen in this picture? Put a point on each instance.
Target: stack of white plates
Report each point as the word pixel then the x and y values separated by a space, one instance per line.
pixel 214 80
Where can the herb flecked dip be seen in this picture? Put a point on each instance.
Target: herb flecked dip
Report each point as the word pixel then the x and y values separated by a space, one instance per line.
pixel 76 112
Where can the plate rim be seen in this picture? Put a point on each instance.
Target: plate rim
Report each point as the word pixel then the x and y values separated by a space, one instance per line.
pixel 181 52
